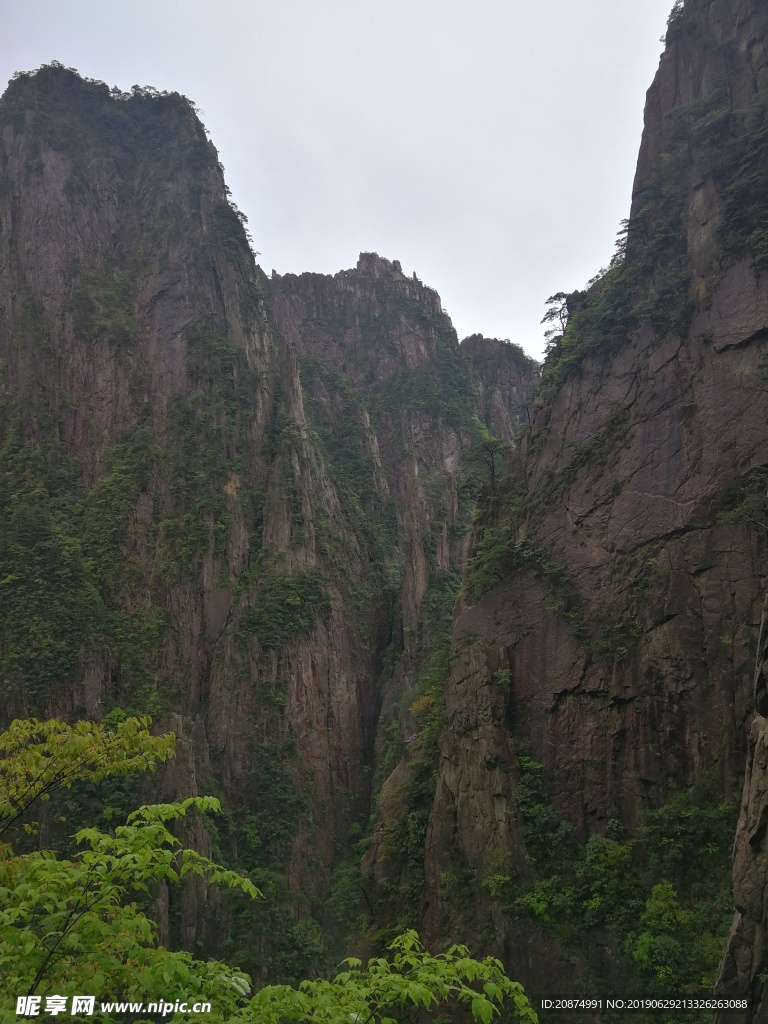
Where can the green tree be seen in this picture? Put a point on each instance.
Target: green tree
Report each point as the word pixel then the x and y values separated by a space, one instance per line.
pixel 667 943
pixel 557 316
pixel 39 758
pixel 69 927
pixel 77 926
pixel 489 453
pixel 380 992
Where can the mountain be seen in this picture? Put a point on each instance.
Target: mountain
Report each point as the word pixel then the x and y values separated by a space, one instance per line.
pixel 597 708
pixel 231 502
pixel 462 643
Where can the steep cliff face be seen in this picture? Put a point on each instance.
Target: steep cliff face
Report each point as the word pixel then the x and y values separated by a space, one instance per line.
pixel 245 505
pixel 505 376
pixel 395 401
pixel 392 400
pixel 172 540
pixel 601 676
pixel 746 956
pixel 232 502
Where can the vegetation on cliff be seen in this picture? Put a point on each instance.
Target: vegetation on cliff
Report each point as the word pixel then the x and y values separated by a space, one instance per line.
pixel 663 895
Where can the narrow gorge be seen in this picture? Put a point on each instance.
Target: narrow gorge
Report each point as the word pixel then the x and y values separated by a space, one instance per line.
pixel 463 643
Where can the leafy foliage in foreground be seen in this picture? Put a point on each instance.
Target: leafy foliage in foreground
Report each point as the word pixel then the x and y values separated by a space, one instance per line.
pixel 66 927
pixel 39 758
pixel 77 926
pixel 378 993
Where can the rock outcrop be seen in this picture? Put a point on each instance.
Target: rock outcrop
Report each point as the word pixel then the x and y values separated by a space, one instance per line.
pixel 170 524
pixel 746 956
pixel 505 374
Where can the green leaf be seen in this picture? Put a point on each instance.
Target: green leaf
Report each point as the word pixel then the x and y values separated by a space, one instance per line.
pixel 482 1009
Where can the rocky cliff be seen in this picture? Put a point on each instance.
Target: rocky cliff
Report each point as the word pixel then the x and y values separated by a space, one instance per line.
pixel 234 503
pixel 746 957
pixel 503 373
pixel 482 658
pixel 172 541
pixel 600 693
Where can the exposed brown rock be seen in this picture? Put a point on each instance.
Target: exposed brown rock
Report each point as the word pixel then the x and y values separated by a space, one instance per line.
pixel 632 671
pixel 623 474
pixel 129 296
pixel 156 223
pixel 746 957
pixel 506 377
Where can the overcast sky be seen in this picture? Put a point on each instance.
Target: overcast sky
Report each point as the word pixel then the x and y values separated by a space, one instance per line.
pixel 489 146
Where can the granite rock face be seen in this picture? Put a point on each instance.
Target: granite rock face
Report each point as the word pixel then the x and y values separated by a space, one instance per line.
pixel 248 487
pixel 245 505
pixel 746 957
pixel 505 375
pixel 138 353
pixel 376 345
pixel 613 593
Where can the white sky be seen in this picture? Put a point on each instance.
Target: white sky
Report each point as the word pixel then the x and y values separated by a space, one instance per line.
pixel 489 146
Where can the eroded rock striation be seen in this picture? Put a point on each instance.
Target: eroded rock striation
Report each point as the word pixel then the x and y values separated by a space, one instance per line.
pixel 504 376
